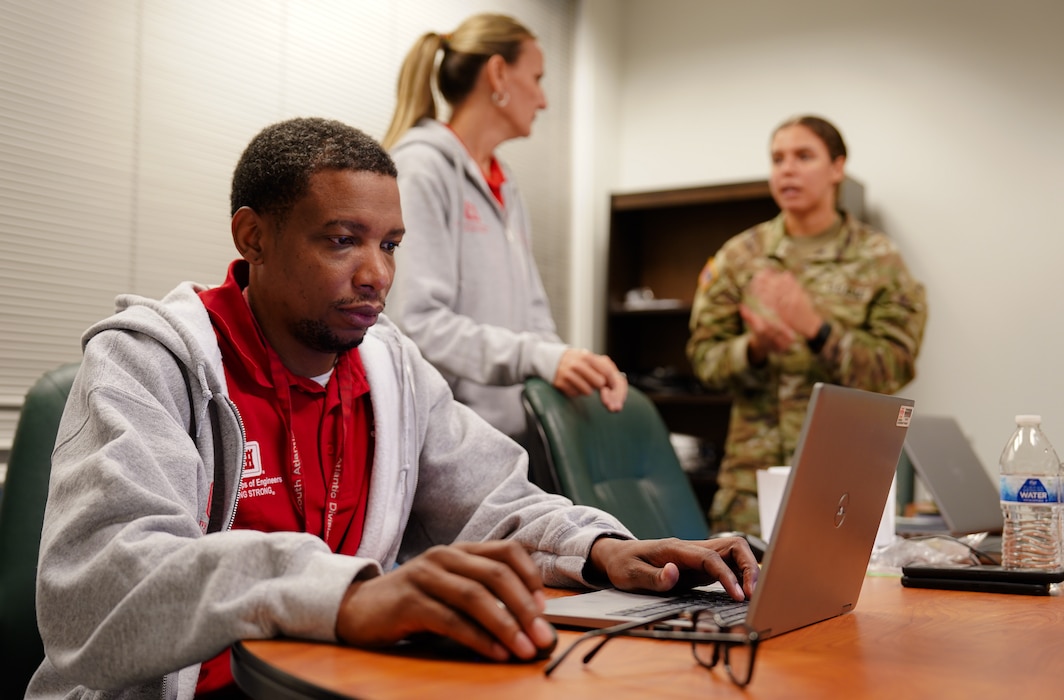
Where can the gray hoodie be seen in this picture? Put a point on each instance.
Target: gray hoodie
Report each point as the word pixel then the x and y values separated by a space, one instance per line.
pixel 141 578
pixel 467 290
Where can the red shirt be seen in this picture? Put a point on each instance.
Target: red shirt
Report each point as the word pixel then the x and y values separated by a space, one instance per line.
pixel 495 177
pixel 309 447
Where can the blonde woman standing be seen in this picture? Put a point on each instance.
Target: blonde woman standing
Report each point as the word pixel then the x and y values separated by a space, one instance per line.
pixel 468 291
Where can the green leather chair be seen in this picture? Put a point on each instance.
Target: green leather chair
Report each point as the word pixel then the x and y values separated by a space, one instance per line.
pixel 21 518
pixel 620 462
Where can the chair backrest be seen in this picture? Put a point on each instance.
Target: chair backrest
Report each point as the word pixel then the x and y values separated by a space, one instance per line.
pixel 622 462
pixel 21 519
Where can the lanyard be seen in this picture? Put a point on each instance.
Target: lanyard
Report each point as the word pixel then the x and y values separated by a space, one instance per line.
pixel 296 467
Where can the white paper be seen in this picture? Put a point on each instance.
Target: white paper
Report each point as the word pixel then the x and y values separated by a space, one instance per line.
pixel 770 485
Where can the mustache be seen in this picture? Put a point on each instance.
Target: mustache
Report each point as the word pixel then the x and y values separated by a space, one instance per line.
pixel 370 298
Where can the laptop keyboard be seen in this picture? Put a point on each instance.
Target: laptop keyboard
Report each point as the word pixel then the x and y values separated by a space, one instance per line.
pixel 730 611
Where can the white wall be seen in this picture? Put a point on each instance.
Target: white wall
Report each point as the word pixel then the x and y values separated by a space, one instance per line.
pixel 952 113
pixel 596 91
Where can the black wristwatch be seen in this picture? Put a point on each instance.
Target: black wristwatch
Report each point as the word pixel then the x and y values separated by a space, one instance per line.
pixel 816 343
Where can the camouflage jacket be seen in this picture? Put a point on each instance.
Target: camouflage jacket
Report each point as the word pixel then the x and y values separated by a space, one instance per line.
pixel 877 311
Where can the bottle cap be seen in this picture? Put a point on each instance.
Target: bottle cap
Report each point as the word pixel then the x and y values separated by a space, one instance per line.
pixel 1028 419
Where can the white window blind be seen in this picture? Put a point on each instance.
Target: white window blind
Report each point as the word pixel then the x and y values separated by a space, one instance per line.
pixel 121 121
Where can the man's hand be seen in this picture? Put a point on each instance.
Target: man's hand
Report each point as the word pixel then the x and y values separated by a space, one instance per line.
pixel 661 565
pixel 581 372
pixel 487 596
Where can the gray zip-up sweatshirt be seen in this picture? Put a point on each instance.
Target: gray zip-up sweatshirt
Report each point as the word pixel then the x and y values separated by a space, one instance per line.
pixel 141 578
pixel 467 290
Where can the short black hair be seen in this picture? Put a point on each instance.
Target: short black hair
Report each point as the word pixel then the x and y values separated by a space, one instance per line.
pixel 274 171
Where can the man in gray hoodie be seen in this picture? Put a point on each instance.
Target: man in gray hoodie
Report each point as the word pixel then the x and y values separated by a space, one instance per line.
pixel 372 505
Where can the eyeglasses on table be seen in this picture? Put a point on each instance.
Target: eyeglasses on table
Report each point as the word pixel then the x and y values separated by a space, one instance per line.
pixel 709 645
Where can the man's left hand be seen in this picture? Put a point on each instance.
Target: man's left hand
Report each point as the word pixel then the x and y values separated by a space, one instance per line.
pixel 660 565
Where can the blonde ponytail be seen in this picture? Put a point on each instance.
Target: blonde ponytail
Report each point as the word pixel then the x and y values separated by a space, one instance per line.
pixel 414 99
pixel 465 52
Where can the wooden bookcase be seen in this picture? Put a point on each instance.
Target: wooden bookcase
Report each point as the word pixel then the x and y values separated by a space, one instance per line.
pixel 660 241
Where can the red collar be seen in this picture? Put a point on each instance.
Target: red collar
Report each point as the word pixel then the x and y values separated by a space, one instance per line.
pixel 244 348
pixel 495 177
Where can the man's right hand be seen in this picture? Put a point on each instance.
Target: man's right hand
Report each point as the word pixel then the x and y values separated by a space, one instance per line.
pixel 487 596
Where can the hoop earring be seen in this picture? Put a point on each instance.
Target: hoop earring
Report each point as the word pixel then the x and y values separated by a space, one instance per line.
pixel 500 99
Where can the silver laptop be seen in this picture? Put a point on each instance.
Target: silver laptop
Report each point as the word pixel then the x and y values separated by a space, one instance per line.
pixel 966 496
pixel 820 546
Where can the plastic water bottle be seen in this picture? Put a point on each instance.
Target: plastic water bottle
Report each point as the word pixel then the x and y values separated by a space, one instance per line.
pixel 1031 499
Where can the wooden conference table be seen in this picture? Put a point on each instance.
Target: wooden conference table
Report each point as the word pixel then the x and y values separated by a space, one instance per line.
pixel 898 643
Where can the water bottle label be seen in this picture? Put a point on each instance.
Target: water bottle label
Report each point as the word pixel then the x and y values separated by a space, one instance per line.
pixel 1022 489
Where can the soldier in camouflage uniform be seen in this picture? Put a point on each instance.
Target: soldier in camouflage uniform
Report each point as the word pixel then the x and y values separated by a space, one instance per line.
pixel 791 302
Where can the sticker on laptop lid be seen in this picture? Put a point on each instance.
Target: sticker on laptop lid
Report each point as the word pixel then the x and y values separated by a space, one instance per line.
pixel 905 416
